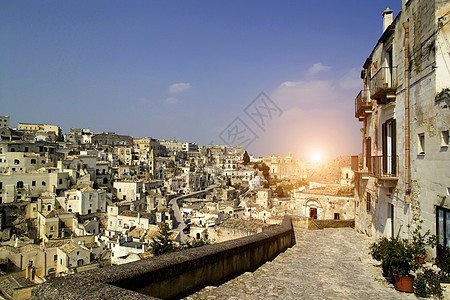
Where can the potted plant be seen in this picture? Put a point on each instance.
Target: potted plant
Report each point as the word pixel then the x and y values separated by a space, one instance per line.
pixel 381 250
pixel 420 241
pixel 402 263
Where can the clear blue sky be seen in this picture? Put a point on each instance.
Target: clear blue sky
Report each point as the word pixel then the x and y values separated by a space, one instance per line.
pixel 186 69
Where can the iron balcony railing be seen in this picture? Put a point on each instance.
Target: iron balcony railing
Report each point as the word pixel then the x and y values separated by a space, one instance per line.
pixel 363 103
pixel 383 166
pixel 383 83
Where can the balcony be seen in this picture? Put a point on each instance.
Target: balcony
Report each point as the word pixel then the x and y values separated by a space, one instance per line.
pixel 383 85
pixel 384 167
pixel 363 105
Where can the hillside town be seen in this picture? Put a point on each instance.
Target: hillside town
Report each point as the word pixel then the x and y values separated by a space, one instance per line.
pixel 81 200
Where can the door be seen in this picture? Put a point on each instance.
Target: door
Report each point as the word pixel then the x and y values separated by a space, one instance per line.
pixel 313 213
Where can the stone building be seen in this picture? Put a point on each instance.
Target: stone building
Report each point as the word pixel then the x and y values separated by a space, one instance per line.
pixel 404 109
pixel 327 202
pixel 85 201
pixel 4 121
pixel 111 139
pixel 284 167
pixel 42 128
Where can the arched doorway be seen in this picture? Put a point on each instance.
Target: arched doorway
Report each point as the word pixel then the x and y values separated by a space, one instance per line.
pixel 313 209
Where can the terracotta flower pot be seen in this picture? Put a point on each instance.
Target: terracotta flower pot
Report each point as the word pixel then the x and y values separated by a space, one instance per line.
pixel 421 259
pixel 404 283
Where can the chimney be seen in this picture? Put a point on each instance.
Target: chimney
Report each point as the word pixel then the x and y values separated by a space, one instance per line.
pixel 387 18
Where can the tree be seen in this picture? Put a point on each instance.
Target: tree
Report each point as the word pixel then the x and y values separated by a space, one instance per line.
pixel 162 243
pixel 279 191
pixel 246 158
pixel 202 241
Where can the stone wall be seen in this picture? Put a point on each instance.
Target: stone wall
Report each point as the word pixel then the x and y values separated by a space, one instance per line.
pixel 307 223
pixel 175 274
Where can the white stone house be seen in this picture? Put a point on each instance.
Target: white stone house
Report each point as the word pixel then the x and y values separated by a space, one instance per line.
pixel 404 110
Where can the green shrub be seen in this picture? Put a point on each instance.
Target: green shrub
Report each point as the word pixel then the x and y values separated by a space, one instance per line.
pixel 428 283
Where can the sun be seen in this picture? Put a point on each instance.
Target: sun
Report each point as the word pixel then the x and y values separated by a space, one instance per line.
pixel 317 157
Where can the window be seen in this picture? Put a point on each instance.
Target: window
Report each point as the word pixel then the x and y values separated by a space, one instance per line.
pixel 368 201
pixel 33 161
pixel 19 184
pixel 60 261
pixel 444 139
pixel 336 216
pixel 43 183
pixel 55 257
pixel 60 181
pixel 1 185
pixel 33 183
pixel 421 143
pixel 49 207
pixel 52 228
pixel 443 225
pixel 16 161
pixel 369 153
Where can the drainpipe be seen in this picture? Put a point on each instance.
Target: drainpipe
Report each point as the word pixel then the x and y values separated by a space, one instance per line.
pixel 407 152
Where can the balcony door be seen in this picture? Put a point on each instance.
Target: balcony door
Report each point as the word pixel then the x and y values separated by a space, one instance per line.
pixel 389 69
pixel 389 147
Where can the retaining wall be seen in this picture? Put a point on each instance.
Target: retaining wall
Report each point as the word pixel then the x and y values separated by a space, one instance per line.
pixel 175 274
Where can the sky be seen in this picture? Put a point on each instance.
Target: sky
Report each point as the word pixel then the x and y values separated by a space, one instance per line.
pixel 281 75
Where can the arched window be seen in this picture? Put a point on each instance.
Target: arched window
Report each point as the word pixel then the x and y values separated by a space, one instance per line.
pixel 33 161
pixel 20 184
pixel 16 161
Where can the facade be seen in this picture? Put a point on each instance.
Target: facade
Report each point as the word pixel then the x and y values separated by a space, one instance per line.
pixel 325 203
pixel 403 173
pixel 4 121
pixel 264 198
pixel 111 139
pixel 17 187
pixel 129 190
pixel 284 167
pixel 85 201
pixel 122 220
pixel 147 144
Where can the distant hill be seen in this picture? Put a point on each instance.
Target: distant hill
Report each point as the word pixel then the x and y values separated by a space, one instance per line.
pixel 327 172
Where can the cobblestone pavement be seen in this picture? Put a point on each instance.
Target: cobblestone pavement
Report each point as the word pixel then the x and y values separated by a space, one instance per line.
pixel 324 264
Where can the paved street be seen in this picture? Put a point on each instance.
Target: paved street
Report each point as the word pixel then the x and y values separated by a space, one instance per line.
pixel 178 223
pixel 324 264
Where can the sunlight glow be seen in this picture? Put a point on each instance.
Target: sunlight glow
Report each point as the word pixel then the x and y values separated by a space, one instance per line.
pixel 316 157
